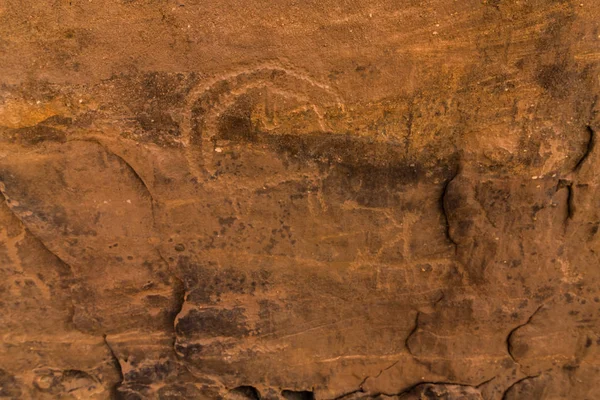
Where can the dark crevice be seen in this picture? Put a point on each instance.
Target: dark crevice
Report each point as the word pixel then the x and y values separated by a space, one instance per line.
pixel 179 291
pixel 180 295
pixel 570 206
pixel 409 125
pixel 509 336
pixel 508 389
pixel 361 384
pixel 359 390
pixel 382 371
pixel 588 150
pixel 180 298
pixel 416 386
pixel 344 395
pixel 114 392
pixel 412 332
pixel 445 211
pixel 247 392
pixel 485 382
pixel 439 299
pixel 298 395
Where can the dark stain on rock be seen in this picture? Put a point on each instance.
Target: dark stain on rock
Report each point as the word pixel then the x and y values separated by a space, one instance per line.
pixel 227 221
pixel 179 247
pixel 236 123
pixel 9 388
pixel 213 322
pixel 246 392
pixel 298 395
pixel 37 134
pixel 555 78
pixel 159 123
pixel 212 282
pixel 189 350
pixel 148 373
pixel 179 391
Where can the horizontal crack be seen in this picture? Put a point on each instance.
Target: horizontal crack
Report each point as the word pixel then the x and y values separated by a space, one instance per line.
pixel 416 385
pixel 359 390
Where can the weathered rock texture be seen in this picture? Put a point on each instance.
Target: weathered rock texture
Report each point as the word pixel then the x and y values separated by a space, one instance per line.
pixel 299 200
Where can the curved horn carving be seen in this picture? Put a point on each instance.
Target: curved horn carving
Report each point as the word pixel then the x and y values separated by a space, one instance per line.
pixel 207 102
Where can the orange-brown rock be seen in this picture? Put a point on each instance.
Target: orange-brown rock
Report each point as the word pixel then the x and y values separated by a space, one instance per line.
pixel 289 200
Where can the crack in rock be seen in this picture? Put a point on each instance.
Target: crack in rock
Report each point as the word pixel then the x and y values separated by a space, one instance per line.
pixel 570 206
pixel 128 166
pixel 361 384
pixel 411 333
pixel 416 385
pixel 445 211
pixel 588 149
pixel 510 334
pixel 118 368
pixel 485 382
pixel 180 299
pixel 508 389
pixel 4 197
pixel 359 390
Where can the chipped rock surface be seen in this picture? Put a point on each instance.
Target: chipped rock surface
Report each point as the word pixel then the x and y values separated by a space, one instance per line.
pixel 300 200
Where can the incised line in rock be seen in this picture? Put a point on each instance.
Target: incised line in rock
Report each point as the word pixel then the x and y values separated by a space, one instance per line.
pixel 509 336
pixel 588 149
pixel 118 367
pixel 505 394
pixel 444 208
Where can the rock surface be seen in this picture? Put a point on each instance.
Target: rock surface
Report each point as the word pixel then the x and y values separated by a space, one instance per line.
pixel 299 200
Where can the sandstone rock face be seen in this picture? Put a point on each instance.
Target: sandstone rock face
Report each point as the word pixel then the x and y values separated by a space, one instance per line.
pixel 299 200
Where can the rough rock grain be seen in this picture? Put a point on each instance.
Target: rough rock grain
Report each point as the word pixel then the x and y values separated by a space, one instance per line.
pixel 288 200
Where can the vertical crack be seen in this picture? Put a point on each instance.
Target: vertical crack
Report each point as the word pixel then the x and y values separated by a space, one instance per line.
pixel 180 296
pixel 180 299
pixel 409 124
pixel 411 333
pixel 445 211
pixel 570 204
pixel 117 364
pixel 588 150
